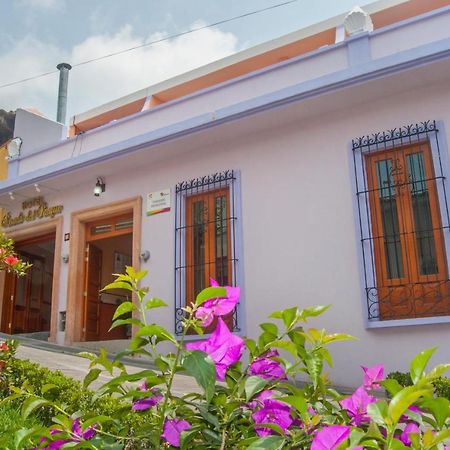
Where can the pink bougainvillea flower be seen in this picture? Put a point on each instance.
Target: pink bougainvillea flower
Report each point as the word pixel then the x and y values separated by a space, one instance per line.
pixel 173 429
pixel 356 406
pixel 224 348
pixel 147 402
pixel 272 411
pixel 410 428
pixel 373 376
pixel 328 438
pixel 265 367
pixel 217 307
pixel 78 435
pixel 11 260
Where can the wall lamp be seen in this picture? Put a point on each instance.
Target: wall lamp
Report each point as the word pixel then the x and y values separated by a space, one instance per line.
pixel 99 187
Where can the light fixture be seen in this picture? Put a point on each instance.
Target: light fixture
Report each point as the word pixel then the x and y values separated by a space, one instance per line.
pixel 11 195
pixel 357 21
pixel 13 148
pixel 99 187
pixel 36 186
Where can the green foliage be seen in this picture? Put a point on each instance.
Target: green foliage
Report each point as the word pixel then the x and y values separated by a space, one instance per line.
pixel 242 402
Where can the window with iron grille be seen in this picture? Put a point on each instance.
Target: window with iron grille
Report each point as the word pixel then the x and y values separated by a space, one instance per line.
pixel 404 222
pixel 206 214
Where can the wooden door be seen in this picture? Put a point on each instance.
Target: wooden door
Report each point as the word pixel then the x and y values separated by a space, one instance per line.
pixel 93 275
pixel 8 303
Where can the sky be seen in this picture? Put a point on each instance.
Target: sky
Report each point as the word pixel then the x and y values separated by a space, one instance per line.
pixel 36 35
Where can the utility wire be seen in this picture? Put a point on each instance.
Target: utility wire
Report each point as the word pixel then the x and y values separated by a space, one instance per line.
pixel 157 41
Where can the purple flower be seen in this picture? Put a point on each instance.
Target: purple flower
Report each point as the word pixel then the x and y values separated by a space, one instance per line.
pixel 220 306
pixel 410 428
pixel 373 376
pixel 271 411
pixel 265 367
pixel 328 438
pixel 356 406
pixel 224 348
pixel 147 402
pixel 78 435
pixel 173 429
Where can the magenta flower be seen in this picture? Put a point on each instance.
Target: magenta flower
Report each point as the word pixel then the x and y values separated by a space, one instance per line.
pixel 328 438
pixel 410 428
pixel 217 307
pixel 78 435
pixel 404 418
pixel 373 376
pixel 147 402
pixel 265 367
pixel 173 429
pixel 224 348
pixel 271 411
pixel 356 406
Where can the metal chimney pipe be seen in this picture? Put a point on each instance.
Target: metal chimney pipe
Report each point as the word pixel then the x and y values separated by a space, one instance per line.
pixel 62 91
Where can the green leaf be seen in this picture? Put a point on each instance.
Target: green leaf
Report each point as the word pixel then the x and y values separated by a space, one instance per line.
pixel 269 327
pixel 32 403
pixel 253 385
pixel 312 311
pixel 314 363
pixel 209 293
pixel 155 303
pixel 392 386
pixel 267 443
pixel 121 322
pixel 156 330
pixel 327 339
pixel 21 436
pixel 118 285
pixel 298 402
pixel 48 387
pixel 92 375
pixel 419 363
pixel 403 400
pixel 124 308
pixel 289 317
pixel 286 345
pixel 378 412
pixel 440 407
pixel 437 372
pixel 200 365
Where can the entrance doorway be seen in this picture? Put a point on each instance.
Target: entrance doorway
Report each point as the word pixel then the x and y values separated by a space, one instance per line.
pixel 27 300
pixel 109 246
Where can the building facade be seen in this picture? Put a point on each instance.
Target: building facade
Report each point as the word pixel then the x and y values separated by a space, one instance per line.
pixel 316 174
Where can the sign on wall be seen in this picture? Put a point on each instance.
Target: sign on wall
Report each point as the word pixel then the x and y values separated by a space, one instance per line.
pixel 158 202
pixel 33 209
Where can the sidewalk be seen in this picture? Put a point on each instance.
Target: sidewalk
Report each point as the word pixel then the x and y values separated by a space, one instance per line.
pixel 77 367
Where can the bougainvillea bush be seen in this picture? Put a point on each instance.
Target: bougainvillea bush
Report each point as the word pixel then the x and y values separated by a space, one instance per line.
pixel 248 396
pixel 9 260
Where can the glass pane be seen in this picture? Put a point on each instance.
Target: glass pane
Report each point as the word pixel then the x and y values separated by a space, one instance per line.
pixel 101 229
pixel 36 284
pixel 221 227
pixel 423 224
pixel 123 224
pixel 199 246
pixel 389 217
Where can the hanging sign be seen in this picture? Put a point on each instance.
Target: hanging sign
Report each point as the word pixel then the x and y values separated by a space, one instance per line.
pixel 158 202
pixel 33 209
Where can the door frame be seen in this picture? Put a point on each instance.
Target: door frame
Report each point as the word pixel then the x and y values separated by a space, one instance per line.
pixel 51 226
pixel 75 288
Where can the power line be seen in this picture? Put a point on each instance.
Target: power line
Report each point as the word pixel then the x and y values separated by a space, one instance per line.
pixel 157 41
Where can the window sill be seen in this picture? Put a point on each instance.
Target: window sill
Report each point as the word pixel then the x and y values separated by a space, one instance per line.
pixel 407 322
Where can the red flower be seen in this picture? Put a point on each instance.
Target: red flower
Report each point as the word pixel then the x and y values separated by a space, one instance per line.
pixel 4 347
pixel 11 260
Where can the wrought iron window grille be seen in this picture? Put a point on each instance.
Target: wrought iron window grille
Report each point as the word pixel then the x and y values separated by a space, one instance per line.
pixel 183 191
pixel 427 295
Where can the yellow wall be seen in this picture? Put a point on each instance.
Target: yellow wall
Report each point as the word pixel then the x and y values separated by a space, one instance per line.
pixel 3 162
